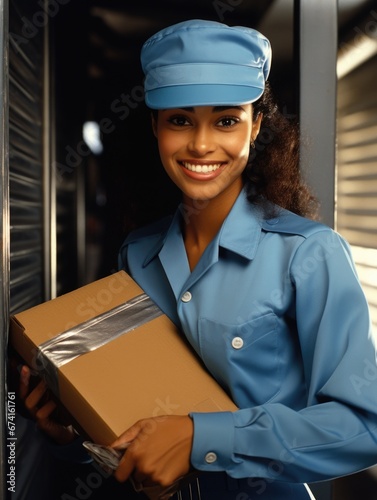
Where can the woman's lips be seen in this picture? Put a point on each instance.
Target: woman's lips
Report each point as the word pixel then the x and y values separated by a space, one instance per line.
pixel 202 170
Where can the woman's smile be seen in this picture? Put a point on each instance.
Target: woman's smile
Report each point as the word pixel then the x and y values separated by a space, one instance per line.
pixel 205 149
pixel 202 170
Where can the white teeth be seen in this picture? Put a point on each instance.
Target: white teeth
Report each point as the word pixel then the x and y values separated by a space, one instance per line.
pixel 204 169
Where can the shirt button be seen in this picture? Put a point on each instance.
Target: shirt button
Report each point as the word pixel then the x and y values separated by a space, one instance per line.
pixel 272 222
pixel 210 457
pixel 186 297
pixel 237 343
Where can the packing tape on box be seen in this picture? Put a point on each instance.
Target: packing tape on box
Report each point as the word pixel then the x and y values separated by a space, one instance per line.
pixel 92 334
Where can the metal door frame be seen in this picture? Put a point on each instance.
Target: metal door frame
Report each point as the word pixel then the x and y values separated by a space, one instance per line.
pixel 316 47
pixel 5 231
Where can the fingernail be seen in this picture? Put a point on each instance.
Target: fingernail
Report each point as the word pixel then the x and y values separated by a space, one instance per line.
pixel 122 446
pixel 25 375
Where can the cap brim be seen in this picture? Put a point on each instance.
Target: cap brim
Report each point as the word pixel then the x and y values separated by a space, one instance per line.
pixel 182 96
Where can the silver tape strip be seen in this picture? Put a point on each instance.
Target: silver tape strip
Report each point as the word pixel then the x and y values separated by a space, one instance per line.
pixel 92 334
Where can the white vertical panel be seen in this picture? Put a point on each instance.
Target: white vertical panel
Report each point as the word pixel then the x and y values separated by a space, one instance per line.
pixel 356 193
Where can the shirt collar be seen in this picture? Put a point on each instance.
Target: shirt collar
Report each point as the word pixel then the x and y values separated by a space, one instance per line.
pixel 240 232
pixel 173 229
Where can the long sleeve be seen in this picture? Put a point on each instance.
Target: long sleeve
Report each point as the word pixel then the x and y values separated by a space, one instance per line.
pixel 336 432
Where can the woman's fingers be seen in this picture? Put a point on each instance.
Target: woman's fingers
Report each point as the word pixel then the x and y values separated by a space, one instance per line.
pixel 33 400
pixel 126 465
pixel 46 410
pixel 24 381
pixel 159 452
pixel 125 469
pixel 41 407
pixel 57 432
pixel 127 437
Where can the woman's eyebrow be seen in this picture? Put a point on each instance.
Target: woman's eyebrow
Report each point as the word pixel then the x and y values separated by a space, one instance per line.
pixel 218 109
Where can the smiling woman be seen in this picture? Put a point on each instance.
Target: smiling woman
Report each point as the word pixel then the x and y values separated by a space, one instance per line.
pixel 236 268
pixel 205 149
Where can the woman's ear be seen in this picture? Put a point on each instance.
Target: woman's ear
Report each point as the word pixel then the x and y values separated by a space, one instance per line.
pixel 257 122
pixel 154 124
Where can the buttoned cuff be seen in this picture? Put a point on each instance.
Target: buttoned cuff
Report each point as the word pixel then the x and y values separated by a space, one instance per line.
pixel 213 442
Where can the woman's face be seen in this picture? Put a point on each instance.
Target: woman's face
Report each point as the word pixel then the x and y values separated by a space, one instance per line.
pixel 204 149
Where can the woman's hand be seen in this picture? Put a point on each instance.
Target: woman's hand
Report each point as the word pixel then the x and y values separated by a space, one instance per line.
pixel 40 406
pixel 158 452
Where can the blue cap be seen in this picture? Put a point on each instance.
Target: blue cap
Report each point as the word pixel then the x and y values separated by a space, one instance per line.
pixel 204 63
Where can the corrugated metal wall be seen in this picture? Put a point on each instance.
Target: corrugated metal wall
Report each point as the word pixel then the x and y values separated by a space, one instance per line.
pixel 356 193
pixel 44 205
pixel 39 213
pixel 25 161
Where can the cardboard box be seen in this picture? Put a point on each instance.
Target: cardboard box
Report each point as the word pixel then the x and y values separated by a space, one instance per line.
pixel 147 370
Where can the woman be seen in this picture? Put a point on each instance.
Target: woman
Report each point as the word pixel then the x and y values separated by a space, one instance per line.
pixel 269 300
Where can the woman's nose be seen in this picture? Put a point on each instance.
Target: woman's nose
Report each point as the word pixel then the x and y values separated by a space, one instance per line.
pixel 201 141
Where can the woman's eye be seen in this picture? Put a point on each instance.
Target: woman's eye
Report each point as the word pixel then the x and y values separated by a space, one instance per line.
pixel 227 122
pixel 179 121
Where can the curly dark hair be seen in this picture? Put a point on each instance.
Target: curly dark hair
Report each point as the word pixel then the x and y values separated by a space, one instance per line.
pixel 273 171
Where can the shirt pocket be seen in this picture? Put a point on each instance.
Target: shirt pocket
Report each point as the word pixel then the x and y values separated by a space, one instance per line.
pixel 245 358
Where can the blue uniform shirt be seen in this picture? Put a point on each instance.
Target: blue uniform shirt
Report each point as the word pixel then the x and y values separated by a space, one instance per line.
pixel 275 310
